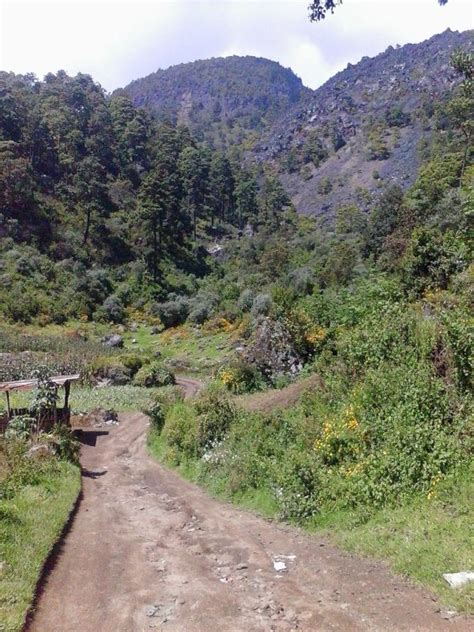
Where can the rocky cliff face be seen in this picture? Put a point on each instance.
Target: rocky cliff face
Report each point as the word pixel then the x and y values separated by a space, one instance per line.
pixel 368 125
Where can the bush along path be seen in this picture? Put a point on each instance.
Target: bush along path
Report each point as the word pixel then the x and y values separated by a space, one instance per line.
pixel 150 550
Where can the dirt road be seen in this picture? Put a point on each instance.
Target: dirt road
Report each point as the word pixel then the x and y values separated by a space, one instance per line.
pixel 147 550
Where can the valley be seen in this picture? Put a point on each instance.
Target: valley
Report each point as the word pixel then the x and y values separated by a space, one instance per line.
pixel 260 297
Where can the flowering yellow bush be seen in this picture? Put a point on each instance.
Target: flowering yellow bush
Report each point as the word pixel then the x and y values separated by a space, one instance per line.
pixel 340 439
pixel 228 377
pixel 315 334
pixel 175 333
pixel 219 324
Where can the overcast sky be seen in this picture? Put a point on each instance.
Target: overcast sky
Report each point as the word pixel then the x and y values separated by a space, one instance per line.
pixel 116 42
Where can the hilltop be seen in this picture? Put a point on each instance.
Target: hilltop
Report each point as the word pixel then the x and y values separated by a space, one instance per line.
pixel 223 101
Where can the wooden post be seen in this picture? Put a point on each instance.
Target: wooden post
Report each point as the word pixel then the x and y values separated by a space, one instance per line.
pixel 67 388
pixel 55 410
pixel 7 393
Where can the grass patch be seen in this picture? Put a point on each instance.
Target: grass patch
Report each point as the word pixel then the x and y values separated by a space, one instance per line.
pixel 260 501
pixel 83 399
pixel 189 469
pixel 30 523
pixel 422 540
pixel 188 349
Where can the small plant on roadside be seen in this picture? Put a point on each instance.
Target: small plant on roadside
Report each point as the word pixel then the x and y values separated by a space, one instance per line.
pixel 65 445
pixel 20 427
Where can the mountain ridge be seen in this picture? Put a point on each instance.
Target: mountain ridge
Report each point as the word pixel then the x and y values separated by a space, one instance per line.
pixel 365 127
pixel 221 99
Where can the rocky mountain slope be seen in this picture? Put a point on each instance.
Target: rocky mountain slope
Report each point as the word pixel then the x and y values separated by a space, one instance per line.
pixel 367 126
pixel 223 100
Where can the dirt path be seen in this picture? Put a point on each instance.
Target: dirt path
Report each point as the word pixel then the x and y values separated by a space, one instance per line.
pixel 148 550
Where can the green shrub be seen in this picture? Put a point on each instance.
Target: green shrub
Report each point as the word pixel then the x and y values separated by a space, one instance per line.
pixel 215 412
pixel 111 368
pixel 65 445
pixel 241 377
pixel 180 432
pixel 324 186
pixel 199 314
pixel 297 485
pixel 20 427
pixel 19 471
pixel 132 362
pixel 261 305
pixel 158 409
pixel 112 310
pixel 153 374
pixel 173 312
pixel 245 301
pixel 157 416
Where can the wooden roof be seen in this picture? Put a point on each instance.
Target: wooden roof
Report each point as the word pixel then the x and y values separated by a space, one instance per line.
pixel 27 385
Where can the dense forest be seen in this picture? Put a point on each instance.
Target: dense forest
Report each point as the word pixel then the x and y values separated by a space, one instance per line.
pixel 99 203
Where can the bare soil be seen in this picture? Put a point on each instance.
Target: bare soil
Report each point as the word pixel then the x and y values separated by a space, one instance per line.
pixel 148 550
pixel 276 399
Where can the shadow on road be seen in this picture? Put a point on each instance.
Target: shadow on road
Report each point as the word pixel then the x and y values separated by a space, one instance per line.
pixel 89 437
pixel 91 474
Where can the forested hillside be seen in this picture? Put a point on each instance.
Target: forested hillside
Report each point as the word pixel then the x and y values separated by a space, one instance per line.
pixel 225 101
pixel 103 207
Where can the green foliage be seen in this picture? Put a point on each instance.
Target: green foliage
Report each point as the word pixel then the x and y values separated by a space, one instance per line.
pixel 64 444
pixel 112 368
pixel 157 416
pixel 432 259
pixel 261 305
pixel 246 300
pixel 153 374
pixel 215 414
pixel 172 313
pixel 35 493
pixel 45 395
pixel 20 427
pixel 377 148
pixel 241 377
pixel 133 362
pixel 180 432
pixel 324 186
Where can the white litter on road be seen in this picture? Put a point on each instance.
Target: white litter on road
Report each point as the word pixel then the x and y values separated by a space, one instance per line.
pixel 279 565
pixel 456 580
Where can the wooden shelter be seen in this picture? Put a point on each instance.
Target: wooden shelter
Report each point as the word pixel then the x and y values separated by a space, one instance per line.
pixel 57 415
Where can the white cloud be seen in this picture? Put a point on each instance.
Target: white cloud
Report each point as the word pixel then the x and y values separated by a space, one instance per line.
pixel 119 41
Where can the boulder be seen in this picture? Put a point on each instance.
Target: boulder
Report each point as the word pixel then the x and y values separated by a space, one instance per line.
pixel 39 451
pixel 113 341
pixel 271 350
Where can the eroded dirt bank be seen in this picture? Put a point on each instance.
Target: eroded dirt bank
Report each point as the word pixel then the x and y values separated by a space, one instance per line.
pixel 148 550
